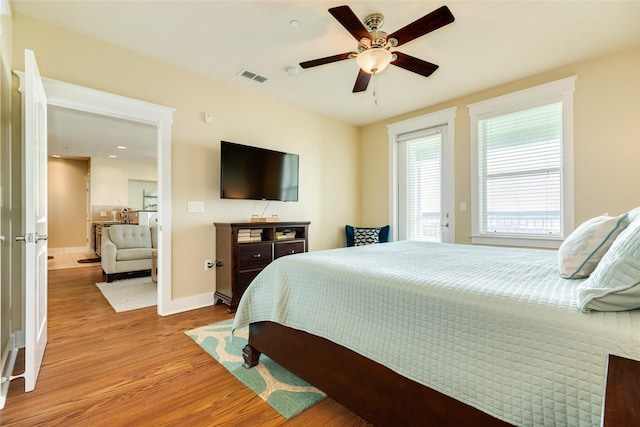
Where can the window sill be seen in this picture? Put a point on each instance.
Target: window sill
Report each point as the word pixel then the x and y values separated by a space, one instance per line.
pixel 526 242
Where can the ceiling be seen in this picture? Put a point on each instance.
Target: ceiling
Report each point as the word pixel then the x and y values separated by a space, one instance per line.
pixel 490 43
pixel 78 135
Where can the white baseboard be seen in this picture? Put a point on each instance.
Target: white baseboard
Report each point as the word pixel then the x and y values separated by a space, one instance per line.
pixel 19 339
pixel 58 251
pixel 185 304
pixel 8 362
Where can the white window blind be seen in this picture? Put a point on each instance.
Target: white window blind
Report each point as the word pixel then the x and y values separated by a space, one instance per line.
pixel 420 185
pixel 520 167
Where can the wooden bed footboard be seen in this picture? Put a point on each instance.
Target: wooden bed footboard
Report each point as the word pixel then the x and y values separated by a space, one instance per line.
pixel 371 390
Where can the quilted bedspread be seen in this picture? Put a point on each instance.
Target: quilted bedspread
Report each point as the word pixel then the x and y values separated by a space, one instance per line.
pixel 497 328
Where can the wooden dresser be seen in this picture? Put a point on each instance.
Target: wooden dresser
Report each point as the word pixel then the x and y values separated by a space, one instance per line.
pixel 243 249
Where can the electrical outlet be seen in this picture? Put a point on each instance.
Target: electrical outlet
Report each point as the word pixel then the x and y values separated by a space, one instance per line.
pixel 208 265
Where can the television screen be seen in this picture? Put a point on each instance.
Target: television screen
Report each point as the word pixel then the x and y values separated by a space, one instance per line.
pixel 257 173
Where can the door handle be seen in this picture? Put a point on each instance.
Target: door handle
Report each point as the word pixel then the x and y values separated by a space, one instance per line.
pixel 29 238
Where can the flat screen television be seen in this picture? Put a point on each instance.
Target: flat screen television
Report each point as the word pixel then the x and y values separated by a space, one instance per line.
pixel 255 173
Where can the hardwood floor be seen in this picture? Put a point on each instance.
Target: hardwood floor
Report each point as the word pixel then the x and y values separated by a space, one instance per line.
pixel 103 368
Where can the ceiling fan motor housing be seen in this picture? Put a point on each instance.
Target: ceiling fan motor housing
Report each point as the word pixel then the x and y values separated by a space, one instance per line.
pixel 378 40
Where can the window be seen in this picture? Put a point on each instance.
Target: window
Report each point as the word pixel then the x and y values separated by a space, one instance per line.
pixel 421 168
pixel 522 167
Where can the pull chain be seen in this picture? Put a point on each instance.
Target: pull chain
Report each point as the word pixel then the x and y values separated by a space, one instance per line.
pixel 375 89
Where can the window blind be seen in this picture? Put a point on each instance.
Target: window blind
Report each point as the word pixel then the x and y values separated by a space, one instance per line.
pixel 520 172
pixel 420 185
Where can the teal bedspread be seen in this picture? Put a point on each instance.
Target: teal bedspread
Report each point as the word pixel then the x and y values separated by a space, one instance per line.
pixel 498 329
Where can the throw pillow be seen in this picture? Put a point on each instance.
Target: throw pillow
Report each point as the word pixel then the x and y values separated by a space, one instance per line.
pixel 365 236
pixel 383 236
pixel 581 252
pixel 615 283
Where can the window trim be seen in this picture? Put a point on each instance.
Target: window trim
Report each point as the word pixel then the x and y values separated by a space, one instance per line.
pixel 560 90
pixel 446 118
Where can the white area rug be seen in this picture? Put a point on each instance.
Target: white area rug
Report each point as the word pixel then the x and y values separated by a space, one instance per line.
pixel 130 294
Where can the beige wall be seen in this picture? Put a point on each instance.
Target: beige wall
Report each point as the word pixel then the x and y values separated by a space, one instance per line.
pixel 110 179
pixel 606 142
pixel 327 148
pixel 67 203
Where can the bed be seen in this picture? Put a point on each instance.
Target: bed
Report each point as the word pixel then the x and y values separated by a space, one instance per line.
pixel 415 333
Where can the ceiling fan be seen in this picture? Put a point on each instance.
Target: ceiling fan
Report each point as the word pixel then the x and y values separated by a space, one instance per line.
pixel 374 46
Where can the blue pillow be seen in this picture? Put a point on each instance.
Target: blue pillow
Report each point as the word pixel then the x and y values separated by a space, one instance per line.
pixel 383 235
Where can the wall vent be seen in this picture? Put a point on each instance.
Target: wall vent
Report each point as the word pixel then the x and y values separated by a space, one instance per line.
pixel 252 76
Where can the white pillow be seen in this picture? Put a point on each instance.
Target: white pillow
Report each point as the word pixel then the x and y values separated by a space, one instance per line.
pixel 581 252
pixel 633 214
pixel 615 283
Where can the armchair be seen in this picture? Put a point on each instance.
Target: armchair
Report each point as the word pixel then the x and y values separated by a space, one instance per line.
pixel 126 250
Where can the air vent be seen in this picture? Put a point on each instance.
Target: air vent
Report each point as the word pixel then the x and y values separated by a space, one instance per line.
pixel 252 76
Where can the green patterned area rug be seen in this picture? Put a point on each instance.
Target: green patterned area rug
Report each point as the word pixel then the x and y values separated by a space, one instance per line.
pixel 284 391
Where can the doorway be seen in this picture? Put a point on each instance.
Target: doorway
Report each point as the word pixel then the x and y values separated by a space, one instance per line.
pixel 421 167
pixel 420 186
pixel 82 99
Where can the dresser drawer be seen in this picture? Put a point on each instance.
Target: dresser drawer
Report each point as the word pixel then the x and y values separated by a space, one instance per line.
pixel 288 248
pixel 254 255
pixel 244 279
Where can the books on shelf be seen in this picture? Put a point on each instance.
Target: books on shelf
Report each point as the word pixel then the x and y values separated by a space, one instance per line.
pixel 250 235
pixel 255 234
pixel 285 235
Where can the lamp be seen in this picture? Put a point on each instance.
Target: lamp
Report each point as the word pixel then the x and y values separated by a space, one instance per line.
pixel 374 60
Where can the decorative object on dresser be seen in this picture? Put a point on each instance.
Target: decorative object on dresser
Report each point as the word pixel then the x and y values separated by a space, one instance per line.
pixel 244 249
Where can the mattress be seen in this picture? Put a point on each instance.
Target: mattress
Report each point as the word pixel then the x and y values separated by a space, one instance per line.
pixel 495 328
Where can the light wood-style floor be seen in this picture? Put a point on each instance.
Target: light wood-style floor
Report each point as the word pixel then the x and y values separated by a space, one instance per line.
pixel 103 368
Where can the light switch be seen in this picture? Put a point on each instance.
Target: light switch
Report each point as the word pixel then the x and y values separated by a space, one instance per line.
pixel 463 206
pixel 195 207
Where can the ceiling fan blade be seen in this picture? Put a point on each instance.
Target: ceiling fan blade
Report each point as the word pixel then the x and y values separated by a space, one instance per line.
pixel 350 21
pixel 327 60
pixel 414 64
pixel 430 22
pixel 362 81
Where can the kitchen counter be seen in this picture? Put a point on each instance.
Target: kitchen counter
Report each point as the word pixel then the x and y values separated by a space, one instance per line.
pixel 107 223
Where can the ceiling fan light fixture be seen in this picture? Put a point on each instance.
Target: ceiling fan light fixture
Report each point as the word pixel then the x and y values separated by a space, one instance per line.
pixel 374 60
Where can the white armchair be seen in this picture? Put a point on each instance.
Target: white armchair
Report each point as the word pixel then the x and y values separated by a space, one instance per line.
pixel 126 250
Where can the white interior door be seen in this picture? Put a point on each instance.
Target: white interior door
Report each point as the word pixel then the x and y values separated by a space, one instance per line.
pixel 34 164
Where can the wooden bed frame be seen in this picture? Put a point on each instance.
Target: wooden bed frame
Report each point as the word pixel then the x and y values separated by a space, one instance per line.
pixel 371 390
pixel 385 398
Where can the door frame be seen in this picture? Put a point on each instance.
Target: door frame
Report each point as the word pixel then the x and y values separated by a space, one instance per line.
pixel 446 118
pixel 71 96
